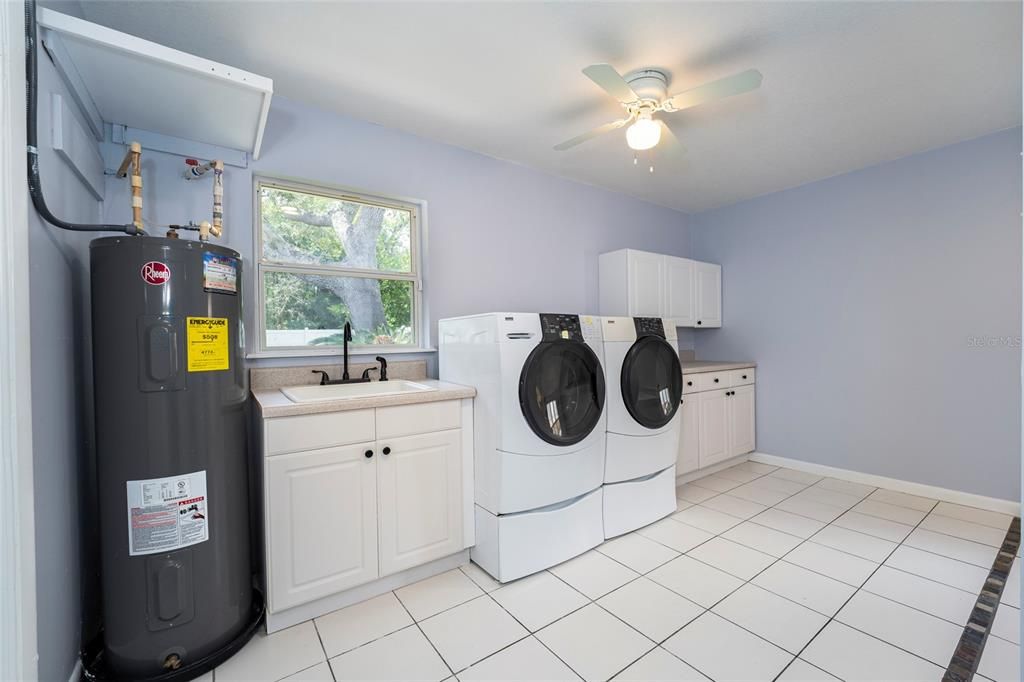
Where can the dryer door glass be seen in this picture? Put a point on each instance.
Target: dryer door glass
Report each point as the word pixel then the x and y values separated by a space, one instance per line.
pixel 561 391
pixel 652 382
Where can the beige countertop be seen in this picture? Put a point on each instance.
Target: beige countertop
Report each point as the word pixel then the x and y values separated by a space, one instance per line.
pixel 699 366
pixel 273 403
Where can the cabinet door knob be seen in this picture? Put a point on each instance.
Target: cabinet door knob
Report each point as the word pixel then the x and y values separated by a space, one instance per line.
pixel 689 383
pixel 716 381
pixel 744 376
pixel 386 451
pixel 698 321
pixel 368 453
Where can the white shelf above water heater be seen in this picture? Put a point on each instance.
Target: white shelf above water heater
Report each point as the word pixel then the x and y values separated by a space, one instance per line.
pixel 140 85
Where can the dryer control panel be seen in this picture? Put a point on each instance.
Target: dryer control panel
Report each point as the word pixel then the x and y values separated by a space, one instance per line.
pixel 560 326
pixel 649 326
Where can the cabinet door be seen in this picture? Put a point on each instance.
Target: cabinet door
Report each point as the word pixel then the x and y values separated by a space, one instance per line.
pixel 713 427
pixel 645 284
pixel 689 437
pixel 741 420
pixel 679 291
pixel 321 523
pixel 420 499
pixel 708 277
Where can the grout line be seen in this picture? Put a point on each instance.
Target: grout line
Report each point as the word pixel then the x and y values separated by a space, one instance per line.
pixel 830 618
pixel 967 656
pixel 833 616
pixel 417 623
pixel 743 583
pixel 322 648
pixel 705 610
pixel 533 634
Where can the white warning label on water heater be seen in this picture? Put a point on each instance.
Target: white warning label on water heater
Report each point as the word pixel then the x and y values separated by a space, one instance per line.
pixel 165 514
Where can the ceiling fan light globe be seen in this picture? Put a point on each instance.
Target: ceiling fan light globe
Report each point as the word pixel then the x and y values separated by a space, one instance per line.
pixel 645 133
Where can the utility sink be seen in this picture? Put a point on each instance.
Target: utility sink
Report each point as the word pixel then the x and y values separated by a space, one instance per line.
pixel 312 394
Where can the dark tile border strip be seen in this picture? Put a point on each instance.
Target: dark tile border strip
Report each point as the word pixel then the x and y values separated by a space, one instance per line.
pixel 964 662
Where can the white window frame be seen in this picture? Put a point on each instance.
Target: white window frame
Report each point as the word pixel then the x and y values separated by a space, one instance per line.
pixel 264 265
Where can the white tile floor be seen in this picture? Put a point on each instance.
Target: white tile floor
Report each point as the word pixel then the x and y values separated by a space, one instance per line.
pixel 762 574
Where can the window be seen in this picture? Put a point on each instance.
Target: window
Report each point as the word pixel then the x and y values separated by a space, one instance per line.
pixel 328 257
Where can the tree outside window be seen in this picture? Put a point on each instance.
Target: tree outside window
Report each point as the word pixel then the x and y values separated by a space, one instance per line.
pixel 328 258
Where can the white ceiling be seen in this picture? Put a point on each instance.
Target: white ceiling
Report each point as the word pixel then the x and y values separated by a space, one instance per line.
pixel 846 84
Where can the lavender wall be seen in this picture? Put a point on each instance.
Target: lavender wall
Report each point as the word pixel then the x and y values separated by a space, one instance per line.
pixel 877 304
pixel 63 474
pixel 500 236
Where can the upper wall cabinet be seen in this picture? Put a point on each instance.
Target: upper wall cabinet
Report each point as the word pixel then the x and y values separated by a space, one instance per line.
pixel 707 294
pixel 642 284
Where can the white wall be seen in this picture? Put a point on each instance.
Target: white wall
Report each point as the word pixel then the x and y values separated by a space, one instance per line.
pixel 884 310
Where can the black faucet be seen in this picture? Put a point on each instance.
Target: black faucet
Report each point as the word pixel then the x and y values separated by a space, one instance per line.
pixel 325 378
pixel 383 368
pixel 347 336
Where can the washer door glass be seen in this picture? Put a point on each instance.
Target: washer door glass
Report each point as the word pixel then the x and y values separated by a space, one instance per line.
pixel 561 391
pixel 652 382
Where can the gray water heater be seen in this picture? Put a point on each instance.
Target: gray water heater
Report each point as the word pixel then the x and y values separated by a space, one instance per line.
pixel 171 391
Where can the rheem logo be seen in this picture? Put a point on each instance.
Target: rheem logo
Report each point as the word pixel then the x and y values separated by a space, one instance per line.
pixel 155 272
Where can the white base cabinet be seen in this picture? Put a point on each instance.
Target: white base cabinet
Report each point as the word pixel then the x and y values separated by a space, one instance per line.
pixel 340 516
pixel 718 418
pixel 420 485
pixel 687 293
pixel 321 517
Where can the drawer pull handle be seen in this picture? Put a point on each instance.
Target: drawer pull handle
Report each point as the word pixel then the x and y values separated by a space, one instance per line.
pixel 716 381
pixel 689 383
pixel 744 376
pixel 386 451
pixel 368 454
pixel 698 322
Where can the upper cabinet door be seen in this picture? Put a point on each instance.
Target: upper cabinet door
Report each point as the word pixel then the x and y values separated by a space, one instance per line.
pixel 645 285
pixel 321 516
pixel 679 291
pixel 420 499
pixel 709 294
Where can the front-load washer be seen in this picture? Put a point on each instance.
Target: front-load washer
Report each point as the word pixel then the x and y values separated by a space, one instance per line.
pixel 539 434
pixel 645 385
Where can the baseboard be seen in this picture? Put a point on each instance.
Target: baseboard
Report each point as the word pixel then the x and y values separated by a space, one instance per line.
pixel 310 610
pixel 713 469
pixel 995 504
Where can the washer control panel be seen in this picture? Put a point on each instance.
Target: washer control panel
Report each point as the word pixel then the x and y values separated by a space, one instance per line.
pixel 649 326
pixel 555 326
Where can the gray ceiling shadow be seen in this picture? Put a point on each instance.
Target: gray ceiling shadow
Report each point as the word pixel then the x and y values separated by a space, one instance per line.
pixel 583 108
pixel 738 50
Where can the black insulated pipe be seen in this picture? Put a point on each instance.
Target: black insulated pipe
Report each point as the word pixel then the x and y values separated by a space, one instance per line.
pixel 35 186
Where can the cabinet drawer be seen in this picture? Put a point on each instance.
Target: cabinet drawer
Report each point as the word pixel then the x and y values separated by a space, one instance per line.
pixel 710 381
pixel 406 420
pixel 690 383
pixel 315 431
pixel 741 377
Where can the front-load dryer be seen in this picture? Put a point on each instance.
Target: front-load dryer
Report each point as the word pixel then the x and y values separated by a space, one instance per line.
pixel 539 434
pixel 645 385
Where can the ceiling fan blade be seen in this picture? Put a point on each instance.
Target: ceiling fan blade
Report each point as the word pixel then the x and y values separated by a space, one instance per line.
pixel 600 130
pixel 725 87
pixel 611 82
pixel 670 144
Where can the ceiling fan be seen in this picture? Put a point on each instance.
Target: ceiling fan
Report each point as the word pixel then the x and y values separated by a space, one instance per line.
pixel 644 93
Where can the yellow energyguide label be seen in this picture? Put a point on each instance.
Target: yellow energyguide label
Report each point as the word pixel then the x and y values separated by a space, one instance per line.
pixel 207 341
